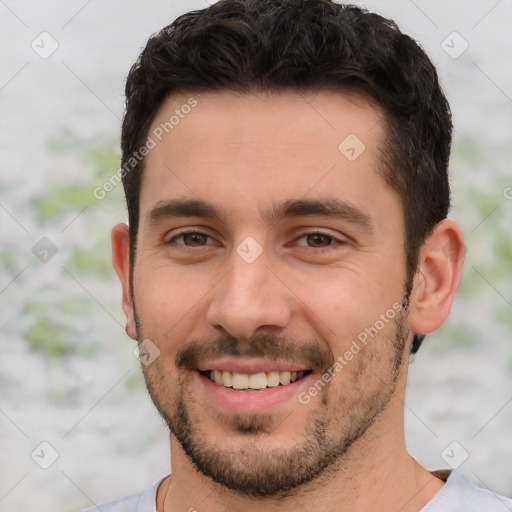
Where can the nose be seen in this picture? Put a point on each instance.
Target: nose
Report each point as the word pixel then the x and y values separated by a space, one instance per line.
pixel 249 297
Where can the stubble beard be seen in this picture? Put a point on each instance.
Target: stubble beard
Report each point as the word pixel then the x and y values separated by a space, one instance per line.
pixel 255 467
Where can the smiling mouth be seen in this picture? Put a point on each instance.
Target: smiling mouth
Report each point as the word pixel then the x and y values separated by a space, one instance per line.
pixel 253 381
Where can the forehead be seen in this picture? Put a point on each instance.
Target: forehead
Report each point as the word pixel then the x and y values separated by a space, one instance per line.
pixel 262 146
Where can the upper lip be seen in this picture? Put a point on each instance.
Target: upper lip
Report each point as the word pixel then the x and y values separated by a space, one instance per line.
pixel 251 365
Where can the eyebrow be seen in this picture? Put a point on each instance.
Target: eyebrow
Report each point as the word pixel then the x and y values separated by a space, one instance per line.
pixel 322 207
pixel 292 208
pixel 183 208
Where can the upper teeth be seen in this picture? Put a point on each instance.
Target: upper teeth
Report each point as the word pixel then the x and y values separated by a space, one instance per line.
pixel 253 380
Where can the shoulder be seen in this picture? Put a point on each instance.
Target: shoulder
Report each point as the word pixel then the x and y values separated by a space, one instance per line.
pixel 460 494
pixel 143 501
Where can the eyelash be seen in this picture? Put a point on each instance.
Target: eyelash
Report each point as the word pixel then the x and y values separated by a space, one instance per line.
pixel 305 234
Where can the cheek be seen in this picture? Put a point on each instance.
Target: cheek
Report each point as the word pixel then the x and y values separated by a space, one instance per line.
pixel 166 297
pixel 344 303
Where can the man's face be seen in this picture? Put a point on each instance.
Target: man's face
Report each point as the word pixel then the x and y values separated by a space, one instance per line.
pixel 240 270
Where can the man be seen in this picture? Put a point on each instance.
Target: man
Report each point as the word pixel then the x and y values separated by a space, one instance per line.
pixel 285 170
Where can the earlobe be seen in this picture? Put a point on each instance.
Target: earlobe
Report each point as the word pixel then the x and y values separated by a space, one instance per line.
pixel 121 260
pixel 439 269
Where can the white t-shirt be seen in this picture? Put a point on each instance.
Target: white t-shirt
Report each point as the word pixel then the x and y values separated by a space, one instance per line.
pixel 459 494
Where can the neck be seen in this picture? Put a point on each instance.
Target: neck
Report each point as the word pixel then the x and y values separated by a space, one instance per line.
pixel 376 469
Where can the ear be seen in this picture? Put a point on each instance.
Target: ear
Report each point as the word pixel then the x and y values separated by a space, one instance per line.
pixel 439 269
pixel 121 262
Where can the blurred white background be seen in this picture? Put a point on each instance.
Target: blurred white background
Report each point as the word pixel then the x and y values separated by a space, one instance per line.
pixel 68 376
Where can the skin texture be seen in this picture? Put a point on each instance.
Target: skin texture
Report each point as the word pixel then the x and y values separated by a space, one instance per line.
pixel 303 300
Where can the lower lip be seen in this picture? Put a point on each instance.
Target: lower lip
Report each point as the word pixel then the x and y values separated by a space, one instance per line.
pixel 251 401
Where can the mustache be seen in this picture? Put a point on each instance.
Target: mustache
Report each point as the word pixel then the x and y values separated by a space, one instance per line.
pixel 310 354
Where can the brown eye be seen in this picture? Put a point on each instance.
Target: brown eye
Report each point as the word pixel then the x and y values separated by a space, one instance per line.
pixel 319 240
pixel 190 239
pixel 194 239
